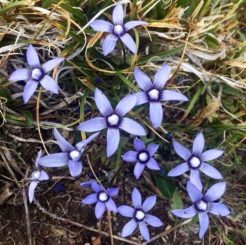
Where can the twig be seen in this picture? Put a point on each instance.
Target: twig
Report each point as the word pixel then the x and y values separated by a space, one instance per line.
pixel 110 228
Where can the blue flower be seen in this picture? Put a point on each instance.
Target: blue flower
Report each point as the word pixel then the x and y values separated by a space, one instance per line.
pixel 36 74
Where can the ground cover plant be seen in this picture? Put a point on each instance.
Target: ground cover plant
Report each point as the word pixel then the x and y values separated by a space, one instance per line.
pixel 119 119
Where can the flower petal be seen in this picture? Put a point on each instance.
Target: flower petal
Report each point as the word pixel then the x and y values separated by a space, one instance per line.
pixel 109 44
pixel 103 103
pixel 99 209
pixel 32 56
pixel 182 151
pixel 118 14
pixel 198 144
pixel 149 203
pixel 51 64
pixel 132 127
pixel 215 192
pixel 219 209
pixel 29 90
pixel 144 230
pixel 110 204
pixel 142 79
pixel 125 105
pixel 126 211
pixel 113 140
pixel 50 84
pixel 102 26
pixel 170 95
pixel 113 191
pixel 194 193
pixel 185 213
pixel 75 167
pixel 153 164
pixel 31 190
pixel 178 170
pixel 138 169
pixel 195 178
pixel 19 75
pixel 153 220
pixel 211 154
pixel 131 24
pixel 210 171
pixel 141 98
pixel 130 156
pixel 90 199
pixel 43 176
pixel 96 187
pixel 93 125
pixel 80 145
pixel 204 222
pixel 156 113
pixel 129 42
pixel 161 76
pixel 54 160
pixel 136 198
pixel 152 148
pixel 139 144
pixel 129 228
pixel 63 144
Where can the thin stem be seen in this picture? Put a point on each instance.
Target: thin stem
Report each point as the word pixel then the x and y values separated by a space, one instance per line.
pixel 124 52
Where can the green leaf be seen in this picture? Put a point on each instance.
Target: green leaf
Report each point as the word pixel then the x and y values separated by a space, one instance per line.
pixel 176 201
pixel 165 185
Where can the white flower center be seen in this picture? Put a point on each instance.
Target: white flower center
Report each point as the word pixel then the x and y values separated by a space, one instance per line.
pixel 143 156
pixel 195 162
pixel 113 120
pixel 118 30
pixel 154 94
pixel 74 155
pixel 139 215
pixel 103 196
pixel 201 205
pixel 36 174
pixel 37 73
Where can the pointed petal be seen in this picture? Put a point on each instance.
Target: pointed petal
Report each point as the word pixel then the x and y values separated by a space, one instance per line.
pixel 130 156
pixel 129 228
pixel 31 190
pixel 75 168
pixel 131 24
pixel 92 198
pixel 170 95
pixel 185 213
pixel 43 176
pixel 109 44
pixel 80 145
pixel 211 154
pixel 103 103
pixel 198 144
pixel 139 144
pixel 136 198
pixel 63 144
pixel 50 84
pixel 153 220
pixel 96 187
pixel 215 191
pixel 111 206
pixel 219 209
pixel 99 209
pixel 152 148
pixel 38 157
pixel 178 170
pixel 141 98
pixel 195 178
pixel 129 42
pixel 51 64
pixel 54 160
pixel 142 79
pixel 113 140
pixel 126 211
pixel 132 127
pixel 138 169
pixel 93 125
pixel 125 105
pixel 182 151
pixel 29 90
pixel 102 26
pixel 161 76
pixel 144 230
pixel 118 14
pixel 149 203
pixel 153 164
pixel 204 222
pixel 113 191
pixel 19 75
pixel 32 56
pixel 210 171
pixel 156 114
pixel 194 193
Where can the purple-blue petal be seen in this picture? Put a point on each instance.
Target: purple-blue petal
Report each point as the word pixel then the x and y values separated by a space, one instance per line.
pixel 142 79
pixel 19 75
pixel 93 125
pixel 80 145
pixel 142 98
pixel 125 105
pixel 50 84
pixel 99 209
pixel 170 95
pixel 204 222
pixel 131 24
pixel 139 144
pixel 111 206
pixel 32 56
pixel 185 213
pixel 194 193
pixel 63 144
pixel 136 198
pixel 156 113
pixel 75 168
pixel 103 103
pixel 161 76
pixel 182 151
pixel 96 187
pixel 90 199
pixel 109 44
pixel 210 171
pixel 129 228
pixel 132 127
pixel 54 160
pixel 118 14
pixel 138 170
pixel 153 220
pixel 31 190
pixel 195 178
pixel 144 230
pixel 129 43
pixel 113 191
pixel 198 144
pixel 102 26
pixel 211 154
pixel 126 211
pixel 219 209
pixel 215 192
pixel 29 90
pixel 152 148
pixel 113 140
pixel 153 164
pixel 51 64
pixel 178 170
pixel 43 176
pixel 149 203
pixel 130 156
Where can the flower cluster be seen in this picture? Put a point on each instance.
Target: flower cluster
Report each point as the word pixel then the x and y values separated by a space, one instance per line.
pixel 115 119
